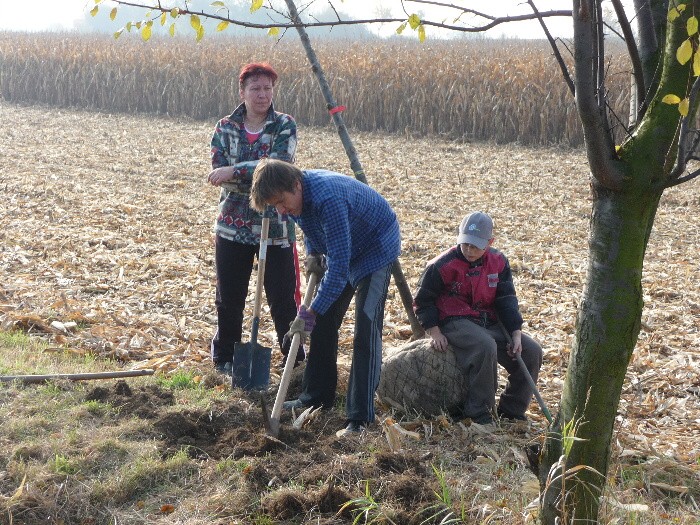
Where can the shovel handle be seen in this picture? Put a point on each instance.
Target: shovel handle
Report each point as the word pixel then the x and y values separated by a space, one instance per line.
pixel 528 377
pixel 289 365
pixel 262 259
pixel 532 384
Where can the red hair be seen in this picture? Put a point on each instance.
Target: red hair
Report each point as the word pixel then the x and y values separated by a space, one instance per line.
pixel 255 69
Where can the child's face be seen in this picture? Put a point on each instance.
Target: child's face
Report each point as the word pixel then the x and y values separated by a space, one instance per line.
pixel 472 253
pixel 288 203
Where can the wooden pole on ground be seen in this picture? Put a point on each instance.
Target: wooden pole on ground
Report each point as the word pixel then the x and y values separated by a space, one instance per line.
pixel 27 379
pixel 355 165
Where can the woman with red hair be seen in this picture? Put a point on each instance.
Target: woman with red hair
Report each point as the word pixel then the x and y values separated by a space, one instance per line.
pixel 252 132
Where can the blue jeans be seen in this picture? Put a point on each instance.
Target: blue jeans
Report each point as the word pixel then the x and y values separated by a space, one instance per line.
pixel 321 374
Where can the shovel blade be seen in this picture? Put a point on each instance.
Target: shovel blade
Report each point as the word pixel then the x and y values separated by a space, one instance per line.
pixel 251 366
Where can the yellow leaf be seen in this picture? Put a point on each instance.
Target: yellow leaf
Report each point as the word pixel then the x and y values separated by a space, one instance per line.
pixel 673 14
pixel 671 99
pixel 138 24
pixel 146 32
pixel 218 3
pixel 255 5
pixel 684 52
pixel 414 21
pixel 681 7
pixel 684 106
pixel 118 33
pixel 195 23
pixel 617 148
pixel 692 25
pixel 222 25
pixel 174 12
pixel 113 13
pixel 163 18
pixel 400 29
pixel 696 64
pixel 200 33
pixel 94 10
pixel 421 33
pixel 128 26
pixel 172 29
pixel 274 31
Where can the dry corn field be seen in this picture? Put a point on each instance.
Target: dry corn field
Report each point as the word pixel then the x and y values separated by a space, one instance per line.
pixel 502 91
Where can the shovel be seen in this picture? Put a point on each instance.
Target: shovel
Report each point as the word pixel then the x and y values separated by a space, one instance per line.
pixel 251 361
pixel 528 377
pixel 274 426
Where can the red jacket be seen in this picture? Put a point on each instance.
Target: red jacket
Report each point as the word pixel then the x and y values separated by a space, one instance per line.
pixel 482 291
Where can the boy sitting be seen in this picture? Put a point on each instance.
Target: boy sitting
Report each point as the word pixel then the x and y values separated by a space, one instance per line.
pixel 466 299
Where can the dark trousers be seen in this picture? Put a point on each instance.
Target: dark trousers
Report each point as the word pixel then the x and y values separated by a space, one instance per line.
pixel 321 373
pixel 234 266
pixel 478 350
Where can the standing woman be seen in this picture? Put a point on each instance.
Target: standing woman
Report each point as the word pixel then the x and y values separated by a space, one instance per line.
pixel 253 131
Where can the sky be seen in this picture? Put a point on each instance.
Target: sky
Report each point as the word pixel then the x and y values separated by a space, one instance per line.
pixel 47 15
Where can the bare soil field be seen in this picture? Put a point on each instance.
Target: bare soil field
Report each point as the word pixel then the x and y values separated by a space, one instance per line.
pixel 105 222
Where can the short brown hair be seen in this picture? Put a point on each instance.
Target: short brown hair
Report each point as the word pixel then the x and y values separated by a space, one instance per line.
pixel 255 69
pixel 271 178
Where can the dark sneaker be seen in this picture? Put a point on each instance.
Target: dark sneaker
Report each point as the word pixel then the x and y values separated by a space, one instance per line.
pixel 353 428
pixel 224 368
pixel 511 417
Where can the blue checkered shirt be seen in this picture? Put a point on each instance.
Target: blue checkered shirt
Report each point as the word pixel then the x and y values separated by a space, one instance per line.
pixel 351 224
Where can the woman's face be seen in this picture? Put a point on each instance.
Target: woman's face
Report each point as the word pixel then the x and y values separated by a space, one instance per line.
pixel 257 94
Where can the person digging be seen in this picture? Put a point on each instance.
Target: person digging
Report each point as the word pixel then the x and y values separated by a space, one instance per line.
pixel 353 229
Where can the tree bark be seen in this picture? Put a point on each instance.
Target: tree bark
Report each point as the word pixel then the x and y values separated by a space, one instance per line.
pixel 608 325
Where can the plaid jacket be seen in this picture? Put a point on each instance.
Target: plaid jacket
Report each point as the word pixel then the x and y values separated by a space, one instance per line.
pixel 236 220
pixel 351 224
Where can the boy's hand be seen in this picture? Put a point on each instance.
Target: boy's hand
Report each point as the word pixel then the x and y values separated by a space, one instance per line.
pixel 516 345
pixel 438 340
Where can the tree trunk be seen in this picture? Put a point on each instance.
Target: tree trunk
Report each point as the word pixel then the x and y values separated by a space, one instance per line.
pixel 607 329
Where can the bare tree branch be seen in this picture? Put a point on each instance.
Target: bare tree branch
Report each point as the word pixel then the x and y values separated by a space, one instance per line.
pixel 648 34
pixel 286 25
pixel 686 147
pixel 591 110
pixel 562 65
pixel 634 57
pixel 681 180
pixel 465 10
pixel 600 54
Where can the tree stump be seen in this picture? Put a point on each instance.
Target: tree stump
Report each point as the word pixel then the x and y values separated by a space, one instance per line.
pixel 417 378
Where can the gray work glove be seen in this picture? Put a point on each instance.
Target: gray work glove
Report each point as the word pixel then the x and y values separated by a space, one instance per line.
pixel 315 264
pixel 303 324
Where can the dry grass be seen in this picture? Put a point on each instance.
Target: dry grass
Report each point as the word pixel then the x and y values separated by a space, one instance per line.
pixel 107 219
pixel 502 91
